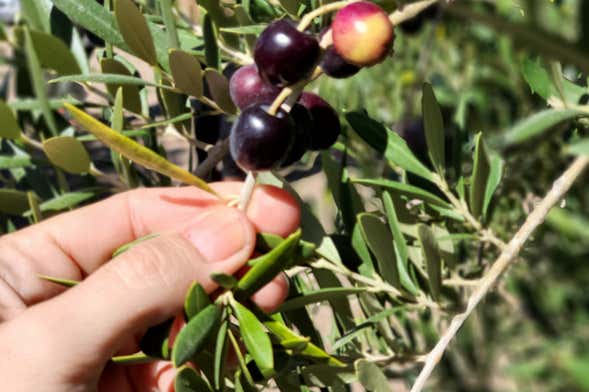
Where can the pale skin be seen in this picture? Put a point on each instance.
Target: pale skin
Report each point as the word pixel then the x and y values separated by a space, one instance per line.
pixel 57 340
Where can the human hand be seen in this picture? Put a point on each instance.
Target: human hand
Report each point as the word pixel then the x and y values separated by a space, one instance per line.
pixel 62 341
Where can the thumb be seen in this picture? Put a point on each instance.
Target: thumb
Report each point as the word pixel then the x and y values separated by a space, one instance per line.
pixel 87 324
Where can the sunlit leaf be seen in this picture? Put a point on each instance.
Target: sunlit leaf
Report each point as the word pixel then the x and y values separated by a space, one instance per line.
pixel 135 151
pixel 538 124
pixel 580 148
pixel 412 192
pixel 327 294
pixel 134 30
pixel 371 376
pixel 399 154
pixel 67 153
pixel 255 338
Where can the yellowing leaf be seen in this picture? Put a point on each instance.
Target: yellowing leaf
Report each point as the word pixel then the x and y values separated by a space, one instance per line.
pixel 135 151
pixel 68 154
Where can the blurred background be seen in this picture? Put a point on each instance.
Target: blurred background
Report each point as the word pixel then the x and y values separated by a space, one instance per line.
pixel 532 333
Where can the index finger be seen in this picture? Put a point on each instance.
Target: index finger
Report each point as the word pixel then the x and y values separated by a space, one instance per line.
pixel 75 244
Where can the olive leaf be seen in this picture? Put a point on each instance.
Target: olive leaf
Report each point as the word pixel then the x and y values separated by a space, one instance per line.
pixel 187 73
pixel 267 267
pixel 134 29
pixel 193 336
pixel 255 338
pixel 188 380
pixel 219 88
pixel 131 97
pixel 433 127
pixel 10 128
pixel 67 153
pixel 195 301
pixel 433 259
pixel 135 151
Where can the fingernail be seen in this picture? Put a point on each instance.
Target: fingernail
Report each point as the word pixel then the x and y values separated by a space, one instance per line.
pixel 218 233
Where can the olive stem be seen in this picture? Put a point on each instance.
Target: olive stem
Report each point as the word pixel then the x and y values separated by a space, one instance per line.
pixel 308 18
pixel 247 191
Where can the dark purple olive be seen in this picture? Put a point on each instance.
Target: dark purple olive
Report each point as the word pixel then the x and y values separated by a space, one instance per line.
pixel 326 125
pixel 248 88
pixel 285 55
pixel 260 141
pixel 335 66
pixel 302 141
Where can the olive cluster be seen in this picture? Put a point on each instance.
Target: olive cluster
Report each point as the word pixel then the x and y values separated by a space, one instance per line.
pixel 264 139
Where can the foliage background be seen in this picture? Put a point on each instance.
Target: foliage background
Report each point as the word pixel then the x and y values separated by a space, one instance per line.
pixel 530 333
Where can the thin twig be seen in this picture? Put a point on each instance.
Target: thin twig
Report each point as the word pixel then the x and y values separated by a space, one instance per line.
pixel 505 260
pixel 216 155
pixel 410 11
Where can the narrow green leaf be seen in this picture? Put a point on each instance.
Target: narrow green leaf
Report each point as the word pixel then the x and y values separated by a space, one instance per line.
pixel 134 29
pixel 187 73
pixel 380 241
pixel 34 207
pixel 196 300
pixel 282 332
pixel 401 252
pixel 371 131
pixel 155 341
pixel 399 154
pixel 38 81
pixel 580 148
pixel 226 281
pixel 538 78
pixel 187 380
pixel 15 161
pixel 135 151
pixel 312 297
pixel 60 281
pixel 36 13
pixel 361 249
pixel 495 175
pixel 434 127
pixel 170 23
pixel 131 244
pixel 538 124
pixel 64 201
pixel 255 338
pixel 268 266
pixel 219 87
pixel 194 334
pixel 410 191
pixel 220 360
pixel 118 117
pixel 114 79
pixel 131 97
pixel 90 15
pixel 54 54
pixel 133 359
pixel 13 202
pixel 245 30
pixel 9 128
pixel 433 260
pixel 479 178
pixel 67 153
pixel 212 55
pixel 371 376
